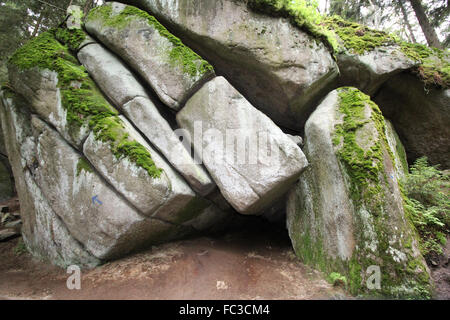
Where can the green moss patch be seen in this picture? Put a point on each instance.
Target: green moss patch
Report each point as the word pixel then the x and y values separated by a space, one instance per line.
pixel 365 167
pixel 301 14
pixel 84 103
pixel 434 65
pixel 180 54
pixel 71 37
pixel 111 129
pixel 83 165
pixel 434 68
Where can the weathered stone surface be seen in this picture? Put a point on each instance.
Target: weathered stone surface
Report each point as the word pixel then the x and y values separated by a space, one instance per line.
pixel 111 75
pixel 122 88
pixel 370 70
pixel 164 197
pixel 281 70
pixel 44 234
pixel 171 69
pixel 109 228
pixel 420 116
pixel 40 88
pixel 346 213
pixel 248 177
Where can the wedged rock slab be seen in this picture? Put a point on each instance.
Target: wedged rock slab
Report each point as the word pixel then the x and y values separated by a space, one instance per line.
pixel 370 70
pixel 94 213
pixel 173 70
pixel 164 196
pixel 125 91
pixel 251 160
pixel 346 213
pixel 280 69
pixel 44 234
pixel 110 74
pixel 421 117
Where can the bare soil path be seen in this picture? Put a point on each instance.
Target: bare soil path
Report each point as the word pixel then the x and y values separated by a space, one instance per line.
pixel 250 264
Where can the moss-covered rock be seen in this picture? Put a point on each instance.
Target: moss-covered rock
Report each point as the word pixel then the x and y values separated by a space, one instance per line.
pixel 60 90
pixel 172 69
pixel 282 70
pixel 44 234
pixel 347 212
pixel 432 65
pixel 346 38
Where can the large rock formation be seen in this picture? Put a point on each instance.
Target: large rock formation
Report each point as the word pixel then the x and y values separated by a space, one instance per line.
pixel 282 70
pixel 119 134
pixel 170 68
pixel 122 88
pixel 347 212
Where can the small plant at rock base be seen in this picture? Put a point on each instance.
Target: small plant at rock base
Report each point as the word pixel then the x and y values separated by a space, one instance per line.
pixel 20 248
pixel 428 205
pixel 336 279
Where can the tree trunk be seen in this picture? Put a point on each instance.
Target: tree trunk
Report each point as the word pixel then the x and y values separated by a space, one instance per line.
pixel 428 30
pixel 405 17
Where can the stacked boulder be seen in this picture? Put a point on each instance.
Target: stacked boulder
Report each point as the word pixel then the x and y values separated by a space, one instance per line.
pixel 121 136
pixel 97 141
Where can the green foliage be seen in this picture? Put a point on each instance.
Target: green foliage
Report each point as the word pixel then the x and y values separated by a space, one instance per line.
pixel 83 164
pixel 336 279
pixel 84 103
pixel 72 38
pixel 364 165
pixel 20 248
pixel 111 129
pixel 357 37
pixel 427 190
pixel 180 54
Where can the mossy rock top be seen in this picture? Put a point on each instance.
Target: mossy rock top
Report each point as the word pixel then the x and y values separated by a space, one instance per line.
pixel 342 36
pixel 83 101
pixel 191 62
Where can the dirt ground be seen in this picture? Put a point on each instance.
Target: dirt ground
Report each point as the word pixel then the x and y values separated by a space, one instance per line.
pixel 250 264
pixel 441 274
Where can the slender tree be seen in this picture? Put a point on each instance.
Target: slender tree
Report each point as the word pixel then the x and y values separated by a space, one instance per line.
pixel 427 28
pixel 406 20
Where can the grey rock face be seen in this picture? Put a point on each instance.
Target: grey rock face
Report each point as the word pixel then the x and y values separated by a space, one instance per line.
pixel 43 231
pixel 345 231
pixel 122 88
pixel 112 76
pixel 420 117
pixel 40 88
pixel 370 70
pixel 252 161
pixel 280 69
pixel 171 69
pixel 108 226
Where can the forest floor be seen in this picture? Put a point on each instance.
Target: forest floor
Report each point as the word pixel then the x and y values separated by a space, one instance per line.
pixel 256 262
pixel 250 264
